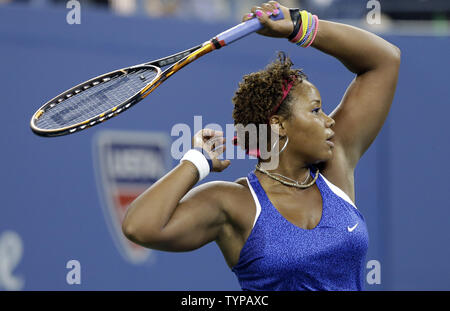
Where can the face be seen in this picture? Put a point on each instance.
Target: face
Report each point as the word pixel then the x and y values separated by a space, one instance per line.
pixel 308 127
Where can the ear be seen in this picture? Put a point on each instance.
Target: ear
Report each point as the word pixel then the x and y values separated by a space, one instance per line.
pixel 277 124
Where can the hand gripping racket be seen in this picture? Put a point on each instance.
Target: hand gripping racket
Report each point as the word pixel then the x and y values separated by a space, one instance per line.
pixel 101 98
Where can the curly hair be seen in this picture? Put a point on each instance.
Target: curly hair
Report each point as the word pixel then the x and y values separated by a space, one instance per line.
pixel 259 92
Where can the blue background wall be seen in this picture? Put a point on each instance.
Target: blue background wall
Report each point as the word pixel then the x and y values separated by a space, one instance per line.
pixel 48 190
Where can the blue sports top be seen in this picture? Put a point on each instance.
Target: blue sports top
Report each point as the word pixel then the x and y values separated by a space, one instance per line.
pixel 278 255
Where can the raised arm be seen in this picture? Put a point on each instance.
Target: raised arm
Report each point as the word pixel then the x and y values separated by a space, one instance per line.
pixel 366 103
pixel 375 62
pixel 172 215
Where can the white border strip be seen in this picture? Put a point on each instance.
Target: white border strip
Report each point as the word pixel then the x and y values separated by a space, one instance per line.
pixel 255 198
pixel 338 191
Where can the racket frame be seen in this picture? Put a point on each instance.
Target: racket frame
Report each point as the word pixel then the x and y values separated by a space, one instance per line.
pixel 156 64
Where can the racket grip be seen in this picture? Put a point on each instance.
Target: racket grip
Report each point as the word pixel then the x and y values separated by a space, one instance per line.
pixel 242 30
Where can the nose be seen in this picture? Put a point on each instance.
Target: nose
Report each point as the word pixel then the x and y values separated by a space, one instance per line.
pixel 329 121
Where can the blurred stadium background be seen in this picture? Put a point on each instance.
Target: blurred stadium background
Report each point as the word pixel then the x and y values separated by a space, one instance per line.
pixel 63 198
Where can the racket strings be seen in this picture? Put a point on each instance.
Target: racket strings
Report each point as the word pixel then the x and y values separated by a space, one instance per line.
pixel 95 99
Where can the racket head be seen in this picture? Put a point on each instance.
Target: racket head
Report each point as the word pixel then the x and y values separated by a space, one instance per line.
pixel 94 101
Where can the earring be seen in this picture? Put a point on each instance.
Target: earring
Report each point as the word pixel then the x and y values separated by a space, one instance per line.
pixel 285 144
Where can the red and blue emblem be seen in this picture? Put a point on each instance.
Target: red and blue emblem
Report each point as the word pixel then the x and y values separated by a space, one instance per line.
pixel 126 164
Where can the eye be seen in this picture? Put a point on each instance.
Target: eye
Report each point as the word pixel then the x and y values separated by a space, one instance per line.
pixel 316 111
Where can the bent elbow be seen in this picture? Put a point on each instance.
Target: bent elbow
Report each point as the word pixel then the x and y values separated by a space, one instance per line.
pixel 389 61
pixel 139 234
pixel 398 51
pixel 395 55
pixel 129 230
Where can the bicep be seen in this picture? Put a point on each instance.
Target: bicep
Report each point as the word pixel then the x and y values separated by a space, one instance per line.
pixel 196 221
pixel 364 108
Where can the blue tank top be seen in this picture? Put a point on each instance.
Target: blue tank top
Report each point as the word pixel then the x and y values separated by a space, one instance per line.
pixel 278 255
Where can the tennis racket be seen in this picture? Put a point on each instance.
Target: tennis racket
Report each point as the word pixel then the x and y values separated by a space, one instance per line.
pixel 106 96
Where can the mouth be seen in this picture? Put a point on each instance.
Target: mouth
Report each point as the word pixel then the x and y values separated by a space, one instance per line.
pixel 329 142
pixel 331 136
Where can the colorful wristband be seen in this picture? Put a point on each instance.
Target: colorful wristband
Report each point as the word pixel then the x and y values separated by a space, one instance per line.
pixel 296 21
pixel 310 32
pixel 304 16
pixel 315 31
pixel 297 37
pixel 309 27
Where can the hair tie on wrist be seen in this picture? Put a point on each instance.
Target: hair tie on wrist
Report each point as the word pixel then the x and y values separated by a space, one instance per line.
pixel 309 31
pixel 304 17
pixel 315 31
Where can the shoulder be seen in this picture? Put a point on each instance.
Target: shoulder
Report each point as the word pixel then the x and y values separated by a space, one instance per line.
pixel 235 199
pixel 228 193
pixel 242 182
pixel 220 188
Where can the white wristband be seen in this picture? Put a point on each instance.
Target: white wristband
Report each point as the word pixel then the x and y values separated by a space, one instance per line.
pixel 199 160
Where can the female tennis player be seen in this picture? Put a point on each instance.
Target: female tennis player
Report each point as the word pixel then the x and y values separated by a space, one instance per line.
pixel 296 226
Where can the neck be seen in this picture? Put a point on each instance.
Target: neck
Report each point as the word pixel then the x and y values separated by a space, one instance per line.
pixel 290 166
